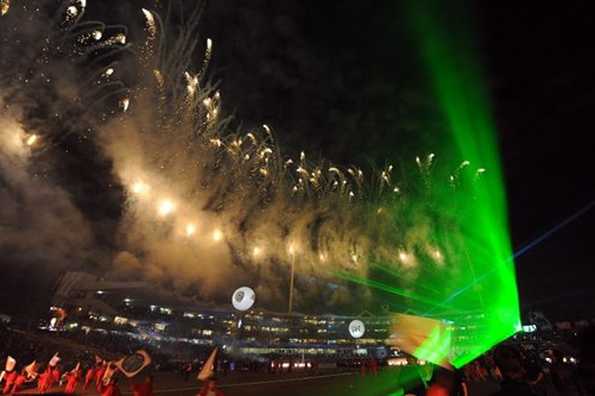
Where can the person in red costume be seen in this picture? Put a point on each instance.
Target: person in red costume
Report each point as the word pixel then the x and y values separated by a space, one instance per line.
pixel 111 389
pixel 9 379
pixel 89 377
pixel 143 389
pixel 55 377
pixel 72 381
pixel 210 389
pixel 99 375
pixel 20 380
pixel 43 383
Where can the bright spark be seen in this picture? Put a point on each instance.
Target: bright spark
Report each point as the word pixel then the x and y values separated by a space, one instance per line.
pixel 4 6
pixel 124 104
pixel 166 207
pixel 139 187
pixel 292 249
pixel 190 229
pixel 72 10
pixel 406 258
pixel 217 235
pixel 31 140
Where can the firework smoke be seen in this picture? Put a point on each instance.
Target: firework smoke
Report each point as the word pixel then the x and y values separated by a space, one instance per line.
pixel 41 230
pixel 206 209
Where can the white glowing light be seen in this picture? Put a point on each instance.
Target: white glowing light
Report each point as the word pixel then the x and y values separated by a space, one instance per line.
pixel 357 328
pixel 139 187
pixel 292 249
pixel 257 251
pixel 217 235
pixel 109 71
pixel 150 21
pixel 166 207
pixel 190 229
pixel 124 104
pixel 72 10
pixel 191 83
pixel 97 35
pixel 4 7
pixel 322 257
pixel 31 140
pixel 406 258
pixel 243 298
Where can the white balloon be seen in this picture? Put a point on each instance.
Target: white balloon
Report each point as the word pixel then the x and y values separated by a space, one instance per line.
pixel 243 298
pixel 357 328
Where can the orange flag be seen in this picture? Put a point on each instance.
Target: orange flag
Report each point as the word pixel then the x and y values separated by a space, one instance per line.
pixel 208 369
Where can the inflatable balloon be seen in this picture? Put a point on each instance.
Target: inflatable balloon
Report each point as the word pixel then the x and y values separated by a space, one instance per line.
pixel 357 328
pixel 243 298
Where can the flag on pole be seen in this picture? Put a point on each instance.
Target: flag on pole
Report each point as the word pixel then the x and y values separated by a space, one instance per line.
pixel 133 364
pixel 208 369
pixel 110 370
pixel 10 363
pixel 31 369
pixel 425 338
pixel 54 360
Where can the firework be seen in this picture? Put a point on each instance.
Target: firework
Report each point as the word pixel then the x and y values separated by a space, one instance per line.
pixel 205 203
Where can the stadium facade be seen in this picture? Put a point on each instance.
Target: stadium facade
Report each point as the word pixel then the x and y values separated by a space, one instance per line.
pixel 86 302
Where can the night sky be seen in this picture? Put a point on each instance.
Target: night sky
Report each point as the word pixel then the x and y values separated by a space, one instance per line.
pixel 344 81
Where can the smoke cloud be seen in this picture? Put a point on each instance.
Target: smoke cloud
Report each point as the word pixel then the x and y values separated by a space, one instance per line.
pixel 204 209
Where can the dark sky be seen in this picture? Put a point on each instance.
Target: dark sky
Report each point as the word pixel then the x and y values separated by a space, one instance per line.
pixel 343 80
pixel 543 91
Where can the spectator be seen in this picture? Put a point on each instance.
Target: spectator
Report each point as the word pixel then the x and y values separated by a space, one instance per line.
pixel 586 367
pixel 89 376
pixel 447 383
pixel 563 376
pixel 514 383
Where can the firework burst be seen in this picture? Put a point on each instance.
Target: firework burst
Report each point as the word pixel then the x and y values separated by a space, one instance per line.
pixel 206 204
